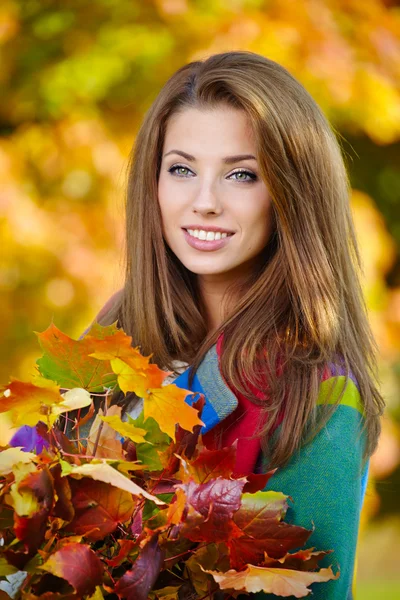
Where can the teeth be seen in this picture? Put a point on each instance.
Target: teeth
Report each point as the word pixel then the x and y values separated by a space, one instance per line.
pixel 207 235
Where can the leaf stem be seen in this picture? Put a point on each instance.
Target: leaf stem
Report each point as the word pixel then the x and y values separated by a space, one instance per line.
pixel 100 429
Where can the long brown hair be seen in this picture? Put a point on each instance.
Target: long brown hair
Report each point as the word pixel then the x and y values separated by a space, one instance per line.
pixel 303 307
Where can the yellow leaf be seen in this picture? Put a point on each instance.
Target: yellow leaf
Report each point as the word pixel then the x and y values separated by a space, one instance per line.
pixel 30 402
pixel 168 407
pixel 281 582
pixel 73 399
pixel 25 502
pixel 11 456
pixel 129 379
pixel 101 471
pixel 98 594
pixel 125 429
pixel 6 568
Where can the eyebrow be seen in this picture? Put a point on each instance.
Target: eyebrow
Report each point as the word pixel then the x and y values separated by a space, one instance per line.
pixel 228 160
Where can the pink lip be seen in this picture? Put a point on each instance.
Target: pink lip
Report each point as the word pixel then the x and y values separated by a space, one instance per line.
pixel 205 245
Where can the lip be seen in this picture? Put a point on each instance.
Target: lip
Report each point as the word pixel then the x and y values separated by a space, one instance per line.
pixel 204 245
pixel 208 228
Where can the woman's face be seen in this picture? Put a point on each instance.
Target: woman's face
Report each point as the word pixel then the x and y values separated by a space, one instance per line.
pixel 215 208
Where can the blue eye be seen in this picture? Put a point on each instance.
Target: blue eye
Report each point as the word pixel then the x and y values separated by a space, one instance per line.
pixel 250 176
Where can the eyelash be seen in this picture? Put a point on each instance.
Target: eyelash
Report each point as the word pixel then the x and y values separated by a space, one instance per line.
pixel 253 177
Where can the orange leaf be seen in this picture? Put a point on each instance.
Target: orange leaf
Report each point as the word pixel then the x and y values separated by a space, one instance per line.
pixel 29 402
pixel 177 508
pixel 168 407
pixel 69 362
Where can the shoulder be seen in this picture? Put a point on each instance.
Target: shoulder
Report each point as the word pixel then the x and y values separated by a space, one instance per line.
pixel 339 388
pixel 112 301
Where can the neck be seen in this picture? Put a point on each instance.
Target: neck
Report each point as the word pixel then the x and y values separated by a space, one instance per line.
pixel 212 294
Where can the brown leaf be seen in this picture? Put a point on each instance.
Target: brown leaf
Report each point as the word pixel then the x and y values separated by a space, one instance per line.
pixel 99 507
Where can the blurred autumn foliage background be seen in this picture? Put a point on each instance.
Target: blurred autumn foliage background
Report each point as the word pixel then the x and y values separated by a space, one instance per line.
pixel 76 78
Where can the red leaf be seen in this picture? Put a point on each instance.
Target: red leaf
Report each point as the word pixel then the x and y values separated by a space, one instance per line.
pixel 259 518
pixel 98 505
pixel 257 482
pixel 210 464
pixel 63 508
pixel 31 530
pixel 77 564
pixel 138 581
pixel 211 506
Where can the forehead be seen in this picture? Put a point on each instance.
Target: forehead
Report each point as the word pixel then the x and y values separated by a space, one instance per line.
pixel 219 127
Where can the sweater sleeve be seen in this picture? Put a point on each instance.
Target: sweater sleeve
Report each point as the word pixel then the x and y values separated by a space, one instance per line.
pixel 327 480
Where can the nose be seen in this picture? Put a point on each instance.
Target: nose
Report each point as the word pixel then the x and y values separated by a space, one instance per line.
pixel 207 201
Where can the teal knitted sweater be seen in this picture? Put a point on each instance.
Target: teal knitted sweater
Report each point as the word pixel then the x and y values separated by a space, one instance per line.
pixel 326 478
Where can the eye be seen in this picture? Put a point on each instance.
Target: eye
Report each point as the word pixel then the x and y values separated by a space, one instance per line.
pixel 252 176
pixel 177 170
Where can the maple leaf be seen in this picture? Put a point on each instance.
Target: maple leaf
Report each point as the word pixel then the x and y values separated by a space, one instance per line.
pixel 211 464
pixel 185 445
pixel 125 429
pixel 259 519
pixel 77 564
pixel 101 471
pixel 168 407
pixel 281 582
pixel 138 581
pixel 29 402
pixel 134 371
pixel 211 506
pixel 69 362
pixel 98 508
pixel 156 442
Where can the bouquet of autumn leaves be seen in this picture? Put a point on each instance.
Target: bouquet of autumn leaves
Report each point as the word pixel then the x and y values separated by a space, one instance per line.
pixel 139 509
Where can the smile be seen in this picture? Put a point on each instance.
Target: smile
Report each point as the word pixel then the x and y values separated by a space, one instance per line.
pixel 209 236
pixel 209 240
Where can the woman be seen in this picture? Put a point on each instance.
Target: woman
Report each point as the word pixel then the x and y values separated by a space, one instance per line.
pixel 242 262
